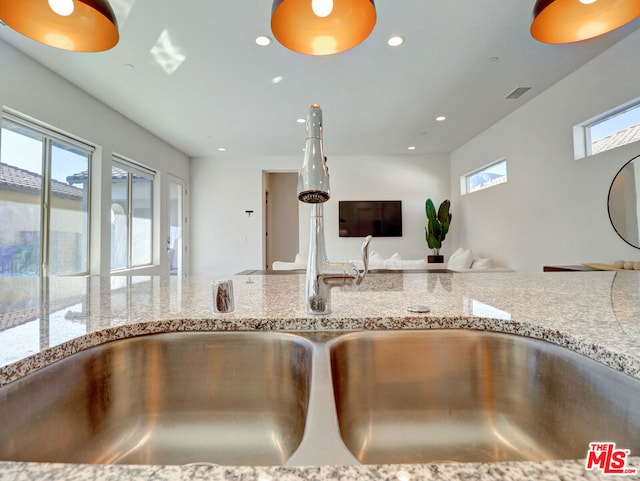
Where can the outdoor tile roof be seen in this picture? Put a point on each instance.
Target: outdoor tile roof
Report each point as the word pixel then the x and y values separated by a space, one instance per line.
pixel 616 139
pixel 117 175
pixel 20 180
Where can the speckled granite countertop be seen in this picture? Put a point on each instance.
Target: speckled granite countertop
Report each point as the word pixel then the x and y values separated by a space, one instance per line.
pixel 594 313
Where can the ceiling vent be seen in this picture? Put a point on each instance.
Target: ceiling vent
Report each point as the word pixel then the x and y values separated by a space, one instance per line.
pixel 517 93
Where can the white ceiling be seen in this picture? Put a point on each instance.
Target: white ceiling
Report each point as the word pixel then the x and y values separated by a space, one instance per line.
pixel 461 59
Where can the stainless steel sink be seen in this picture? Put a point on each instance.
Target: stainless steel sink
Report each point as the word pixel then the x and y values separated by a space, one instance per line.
pixel 333 398
pixel 212 397
pixel 462 395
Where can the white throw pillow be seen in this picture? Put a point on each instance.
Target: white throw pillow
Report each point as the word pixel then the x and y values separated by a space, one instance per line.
pixel 482 263
pixel 460 260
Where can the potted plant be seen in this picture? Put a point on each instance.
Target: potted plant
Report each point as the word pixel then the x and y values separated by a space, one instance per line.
pixel 437 228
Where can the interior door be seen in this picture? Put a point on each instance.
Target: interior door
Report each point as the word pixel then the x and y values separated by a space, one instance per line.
pixel 281 217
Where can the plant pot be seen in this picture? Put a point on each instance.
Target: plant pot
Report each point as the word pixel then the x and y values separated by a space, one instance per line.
pixel 435 259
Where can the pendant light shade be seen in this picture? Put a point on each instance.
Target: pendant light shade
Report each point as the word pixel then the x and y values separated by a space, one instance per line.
pixel 566 21
pixel 78 25
pixel 322 27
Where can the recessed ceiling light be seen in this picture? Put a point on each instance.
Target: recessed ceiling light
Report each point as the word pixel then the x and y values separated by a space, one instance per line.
pixel 411 147
pixel 263 40
pixel 301 121
pixel 395 41
pixel 221 149
pixel 277 79
pixel 441 118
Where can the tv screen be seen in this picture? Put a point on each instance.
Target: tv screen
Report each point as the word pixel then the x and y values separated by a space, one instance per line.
pixel 380 218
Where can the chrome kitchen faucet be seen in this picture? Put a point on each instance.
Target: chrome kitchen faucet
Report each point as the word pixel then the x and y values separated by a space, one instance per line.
pixel 314 189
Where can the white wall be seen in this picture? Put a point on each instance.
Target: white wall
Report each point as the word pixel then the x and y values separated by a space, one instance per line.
pixel 553 209
pixel 35 91
pixel 226 241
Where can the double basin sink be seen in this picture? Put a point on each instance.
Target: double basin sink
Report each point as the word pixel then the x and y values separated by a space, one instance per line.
pixel 273 398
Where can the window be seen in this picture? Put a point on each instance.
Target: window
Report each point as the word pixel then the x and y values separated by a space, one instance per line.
pixel 488 176
pixel 44 200
pixel 608 131
pixel 131 215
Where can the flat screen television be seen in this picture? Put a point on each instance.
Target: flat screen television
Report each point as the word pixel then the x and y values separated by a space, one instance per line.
pixel 380 218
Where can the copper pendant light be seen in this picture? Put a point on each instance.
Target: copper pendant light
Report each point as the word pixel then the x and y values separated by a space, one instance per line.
pixel 566 21
pixel 322 27
pixel 78 25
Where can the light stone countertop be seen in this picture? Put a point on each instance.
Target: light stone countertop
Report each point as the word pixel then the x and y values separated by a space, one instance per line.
pixel 594 313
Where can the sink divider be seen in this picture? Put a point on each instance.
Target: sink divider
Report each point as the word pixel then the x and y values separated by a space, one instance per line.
pixel 321 443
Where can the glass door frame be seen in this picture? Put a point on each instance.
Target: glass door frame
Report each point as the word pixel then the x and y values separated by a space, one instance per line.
pixel 183 255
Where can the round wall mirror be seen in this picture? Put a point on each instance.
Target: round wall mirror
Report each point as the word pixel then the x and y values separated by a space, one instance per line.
pixel 623 204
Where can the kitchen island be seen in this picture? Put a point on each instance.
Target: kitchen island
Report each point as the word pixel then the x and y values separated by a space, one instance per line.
pixel 596 314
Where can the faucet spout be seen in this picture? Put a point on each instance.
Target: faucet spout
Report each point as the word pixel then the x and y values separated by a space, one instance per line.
pixel 322 274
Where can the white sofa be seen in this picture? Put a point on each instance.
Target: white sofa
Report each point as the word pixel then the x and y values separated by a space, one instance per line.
pixel 397 263
pixel 460 261
pixel 463 260
pixel 299 262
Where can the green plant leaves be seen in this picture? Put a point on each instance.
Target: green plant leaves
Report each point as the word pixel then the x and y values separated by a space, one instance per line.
pixel 443 212
pixel 438 225
pixel 431 209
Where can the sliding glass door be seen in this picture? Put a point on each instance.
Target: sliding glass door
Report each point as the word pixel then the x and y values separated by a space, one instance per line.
pixel 44 201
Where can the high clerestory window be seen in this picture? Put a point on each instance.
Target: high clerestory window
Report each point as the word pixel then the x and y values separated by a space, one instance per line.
pixel 612 129
pixel 131 214
pixel 488 176
pixel 44 200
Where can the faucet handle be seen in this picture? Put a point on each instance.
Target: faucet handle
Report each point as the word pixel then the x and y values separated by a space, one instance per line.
pixel 365 260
